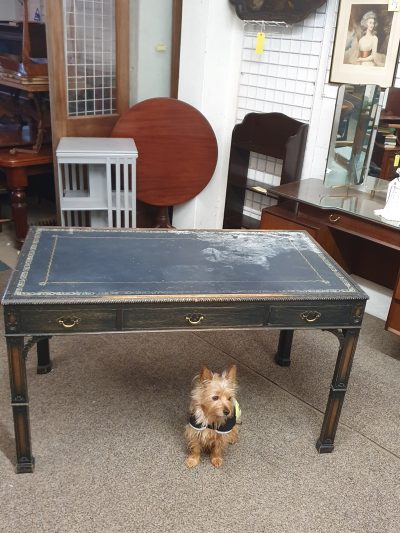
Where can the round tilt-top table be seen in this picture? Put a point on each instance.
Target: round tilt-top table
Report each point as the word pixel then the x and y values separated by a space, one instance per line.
pixel 177 151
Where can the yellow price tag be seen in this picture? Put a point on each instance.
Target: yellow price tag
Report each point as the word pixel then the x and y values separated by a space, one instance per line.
pixel 396 160
pixel 260 42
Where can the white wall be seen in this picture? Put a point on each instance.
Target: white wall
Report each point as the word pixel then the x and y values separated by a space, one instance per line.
pixel 13 10
pixel 151 24
pixel 10 10
pixel 209 80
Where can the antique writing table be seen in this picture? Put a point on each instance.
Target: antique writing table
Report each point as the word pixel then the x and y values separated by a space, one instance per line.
pixel 77 281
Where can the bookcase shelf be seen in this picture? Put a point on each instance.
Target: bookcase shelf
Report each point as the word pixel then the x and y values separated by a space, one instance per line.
pixel 271 134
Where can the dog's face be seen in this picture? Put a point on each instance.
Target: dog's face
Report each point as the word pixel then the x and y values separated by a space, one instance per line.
pixel 215 393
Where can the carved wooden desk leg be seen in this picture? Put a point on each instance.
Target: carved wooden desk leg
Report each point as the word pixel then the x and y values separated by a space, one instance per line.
pixel 282 357
pixel 43 357
pixel 20 404
pixel 338 390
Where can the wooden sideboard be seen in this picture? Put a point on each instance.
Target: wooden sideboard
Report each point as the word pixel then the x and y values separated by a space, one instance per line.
pixel 343 222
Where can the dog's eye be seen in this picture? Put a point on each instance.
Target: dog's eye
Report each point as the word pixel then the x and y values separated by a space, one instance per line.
pixel 230 398
pixel 215 398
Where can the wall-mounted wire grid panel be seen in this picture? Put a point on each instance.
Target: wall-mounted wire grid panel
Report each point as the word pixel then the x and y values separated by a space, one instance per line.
pixel 97 182
pixel 283 79
pixel 89 44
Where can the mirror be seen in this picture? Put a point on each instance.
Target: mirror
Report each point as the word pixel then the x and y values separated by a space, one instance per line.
pixel 353 134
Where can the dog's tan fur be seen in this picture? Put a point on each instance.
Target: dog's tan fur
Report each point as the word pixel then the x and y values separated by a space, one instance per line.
pixel 212 403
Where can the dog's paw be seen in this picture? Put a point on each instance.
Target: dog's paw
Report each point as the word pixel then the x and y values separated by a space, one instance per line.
pixel 191 461
pixel 217 461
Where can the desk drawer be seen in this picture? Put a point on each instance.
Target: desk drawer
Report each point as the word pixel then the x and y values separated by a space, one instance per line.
pixel 194 317
pixel 354 225
pixel 68 320
pixel 314 315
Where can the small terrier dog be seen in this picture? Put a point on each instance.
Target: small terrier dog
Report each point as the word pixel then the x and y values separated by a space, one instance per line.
pixel 214 415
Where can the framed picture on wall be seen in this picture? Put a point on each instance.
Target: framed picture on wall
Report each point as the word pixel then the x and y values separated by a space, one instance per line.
pixel 366 43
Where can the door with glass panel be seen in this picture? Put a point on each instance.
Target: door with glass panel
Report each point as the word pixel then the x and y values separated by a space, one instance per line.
pixel 88 43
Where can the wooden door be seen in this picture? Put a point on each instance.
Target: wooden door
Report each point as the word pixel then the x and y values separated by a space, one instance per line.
pixel 88 59
pixel 88 43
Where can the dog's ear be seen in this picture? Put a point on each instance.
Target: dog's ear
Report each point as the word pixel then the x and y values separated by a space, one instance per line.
pixel 231 373
pixel 205 374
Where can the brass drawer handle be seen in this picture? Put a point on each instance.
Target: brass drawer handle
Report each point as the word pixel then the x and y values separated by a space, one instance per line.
pixel 310 316
pixel 334 218
pixel 194 319
pixel 68 322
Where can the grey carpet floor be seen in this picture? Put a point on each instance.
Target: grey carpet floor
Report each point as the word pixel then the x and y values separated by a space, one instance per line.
pixel 107 431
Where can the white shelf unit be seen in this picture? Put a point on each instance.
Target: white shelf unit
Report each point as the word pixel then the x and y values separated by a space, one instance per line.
pixel 97 181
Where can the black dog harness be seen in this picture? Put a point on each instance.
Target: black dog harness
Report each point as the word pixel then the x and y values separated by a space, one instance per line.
pixel 226 428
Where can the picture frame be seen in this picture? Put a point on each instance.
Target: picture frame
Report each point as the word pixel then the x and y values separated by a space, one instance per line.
pixel 288 11
pixel 366 45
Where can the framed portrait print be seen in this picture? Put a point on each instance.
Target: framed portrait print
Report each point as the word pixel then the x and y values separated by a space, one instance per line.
pixel 366 43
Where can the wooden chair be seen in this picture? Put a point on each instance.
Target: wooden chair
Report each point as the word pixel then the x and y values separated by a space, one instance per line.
pixel 271 134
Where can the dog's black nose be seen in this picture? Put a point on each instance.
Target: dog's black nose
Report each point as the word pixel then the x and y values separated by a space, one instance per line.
pixel 226 412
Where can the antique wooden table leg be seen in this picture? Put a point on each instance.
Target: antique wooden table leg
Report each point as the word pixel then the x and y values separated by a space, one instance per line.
pixel 43 357
pixel 20 404
pixel 338 390
pixel 17 181
pixel 282 357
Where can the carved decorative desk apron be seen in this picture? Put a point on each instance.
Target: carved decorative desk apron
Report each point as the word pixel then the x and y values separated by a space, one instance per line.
pixel 84 280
